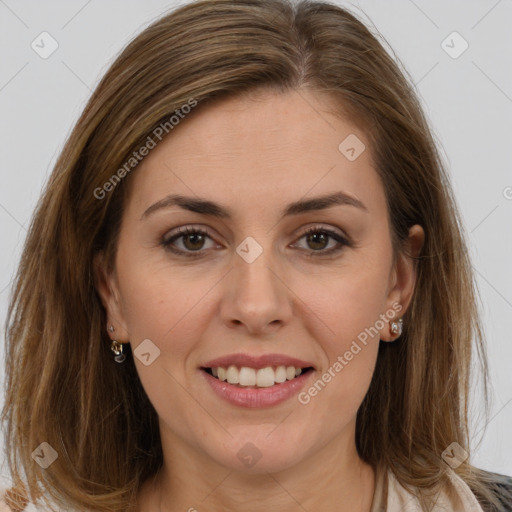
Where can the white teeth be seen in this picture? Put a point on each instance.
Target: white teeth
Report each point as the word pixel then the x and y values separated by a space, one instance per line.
pixel 263 378
pixel 247 376
pixel 232 374
pixel 290 372
pixel 280 374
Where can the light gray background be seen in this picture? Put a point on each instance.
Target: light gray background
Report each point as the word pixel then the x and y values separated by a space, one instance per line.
pixel 468 101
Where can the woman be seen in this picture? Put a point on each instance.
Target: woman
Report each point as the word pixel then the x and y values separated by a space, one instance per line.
pixel 245 285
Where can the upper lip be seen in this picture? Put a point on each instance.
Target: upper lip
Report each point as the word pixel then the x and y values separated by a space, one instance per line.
pixel 257 362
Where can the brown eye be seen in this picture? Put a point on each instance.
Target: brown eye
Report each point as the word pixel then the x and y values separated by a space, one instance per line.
pixel 192 240
pixel 196 241
pixel 318 239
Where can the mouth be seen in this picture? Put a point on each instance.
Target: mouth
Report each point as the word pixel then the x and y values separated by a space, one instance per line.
pixel 248 377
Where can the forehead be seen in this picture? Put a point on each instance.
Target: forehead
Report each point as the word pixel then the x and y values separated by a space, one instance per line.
pixel 257 150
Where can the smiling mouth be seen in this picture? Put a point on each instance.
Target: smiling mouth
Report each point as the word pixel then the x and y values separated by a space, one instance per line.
pixel 246 377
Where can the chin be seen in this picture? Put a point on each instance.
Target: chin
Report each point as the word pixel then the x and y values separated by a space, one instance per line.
pixel 260 450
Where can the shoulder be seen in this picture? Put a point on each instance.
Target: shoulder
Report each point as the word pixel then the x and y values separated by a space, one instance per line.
pixel 501 487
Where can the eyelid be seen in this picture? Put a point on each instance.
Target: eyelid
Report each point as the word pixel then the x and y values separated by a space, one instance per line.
pixel 207 231
pixel 327 229
pixel 187 228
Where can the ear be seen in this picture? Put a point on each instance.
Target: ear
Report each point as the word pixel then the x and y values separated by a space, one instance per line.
pixel 403 280
pixel 108 290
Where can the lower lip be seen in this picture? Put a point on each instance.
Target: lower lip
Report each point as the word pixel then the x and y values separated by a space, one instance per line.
pixel 257 397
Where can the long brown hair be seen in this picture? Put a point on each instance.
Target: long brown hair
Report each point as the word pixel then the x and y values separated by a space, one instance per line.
pixel 62 385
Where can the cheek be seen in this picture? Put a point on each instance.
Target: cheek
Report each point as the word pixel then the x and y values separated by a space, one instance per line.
pixel 348 303
pixel 162 304
pixel 168 310
pixel 345 320
pixel 350 350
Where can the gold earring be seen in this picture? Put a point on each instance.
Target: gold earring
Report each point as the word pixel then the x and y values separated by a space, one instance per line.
pixel 117 348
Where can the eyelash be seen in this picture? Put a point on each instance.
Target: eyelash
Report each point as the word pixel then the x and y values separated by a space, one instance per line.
pixel 167 242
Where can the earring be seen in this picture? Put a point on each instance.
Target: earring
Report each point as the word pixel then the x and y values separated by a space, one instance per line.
pixel 117 348
pixel 397 327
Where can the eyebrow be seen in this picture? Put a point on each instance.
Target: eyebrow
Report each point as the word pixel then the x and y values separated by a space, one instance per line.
pixel 210 208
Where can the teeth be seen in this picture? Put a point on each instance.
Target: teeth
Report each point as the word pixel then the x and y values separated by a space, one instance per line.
pixel 280 374
pixel 247 376
pixel 265 377
pixel 232 374
pixel 290 372
pixel 262 378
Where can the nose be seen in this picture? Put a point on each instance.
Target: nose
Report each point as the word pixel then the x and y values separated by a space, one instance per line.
pixel 256 298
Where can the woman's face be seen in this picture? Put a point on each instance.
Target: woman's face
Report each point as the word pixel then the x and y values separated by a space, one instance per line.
pixel 256 290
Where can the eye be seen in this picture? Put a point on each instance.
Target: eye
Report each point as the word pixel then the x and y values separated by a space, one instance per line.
pixel 193 240
pixel 319 237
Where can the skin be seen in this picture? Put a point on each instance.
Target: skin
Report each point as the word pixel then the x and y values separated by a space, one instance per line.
pixel 255 156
